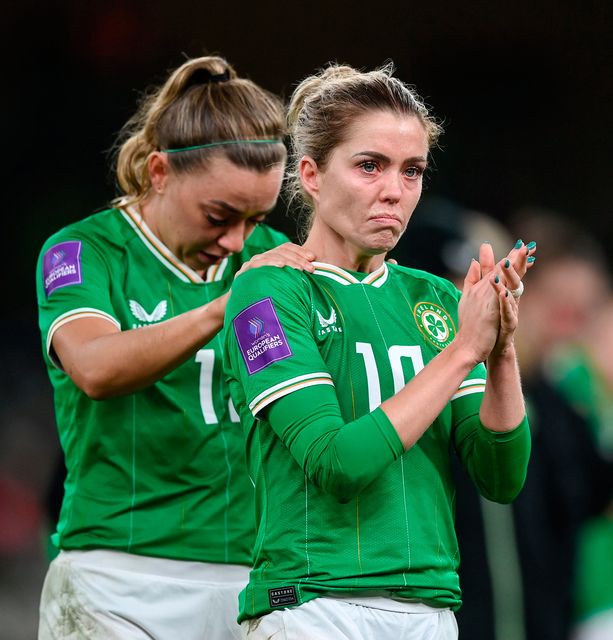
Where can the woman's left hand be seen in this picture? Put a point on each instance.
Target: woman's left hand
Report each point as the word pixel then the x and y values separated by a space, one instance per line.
pixel 509 271
pixel 285 255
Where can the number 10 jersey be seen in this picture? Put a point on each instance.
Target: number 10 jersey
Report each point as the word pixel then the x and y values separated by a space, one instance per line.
pixel 365 336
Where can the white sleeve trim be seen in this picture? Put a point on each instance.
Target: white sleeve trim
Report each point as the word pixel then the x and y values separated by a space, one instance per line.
pixel 69 316
pixel 288 386
pixel 473 385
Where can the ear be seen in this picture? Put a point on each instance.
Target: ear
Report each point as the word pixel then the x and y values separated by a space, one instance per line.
pixel 309 176
pixel 157 164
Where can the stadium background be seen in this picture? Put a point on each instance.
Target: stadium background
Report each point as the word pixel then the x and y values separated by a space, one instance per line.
pixel 525 95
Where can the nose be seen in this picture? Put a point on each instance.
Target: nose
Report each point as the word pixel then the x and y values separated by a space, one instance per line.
pixel 233 237
pixel 391 187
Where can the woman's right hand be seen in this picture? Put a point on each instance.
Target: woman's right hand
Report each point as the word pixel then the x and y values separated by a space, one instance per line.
pixel 479 308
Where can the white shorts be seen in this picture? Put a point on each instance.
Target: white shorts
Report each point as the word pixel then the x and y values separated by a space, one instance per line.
pixel 109 595
pixel 354 619
pixel 597 627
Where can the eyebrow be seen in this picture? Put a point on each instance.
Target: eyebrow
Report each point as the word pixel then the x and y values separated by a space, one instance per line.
pixel 384 158
pixel 236 212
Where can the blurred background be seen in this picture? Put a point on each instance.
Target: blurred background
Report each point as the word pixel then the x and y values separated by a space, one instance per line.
pixel 525 94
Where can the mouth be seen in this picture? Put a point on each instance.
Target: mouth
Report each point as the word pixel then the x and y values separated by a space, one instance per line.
pixel 387 219
pixel 209 258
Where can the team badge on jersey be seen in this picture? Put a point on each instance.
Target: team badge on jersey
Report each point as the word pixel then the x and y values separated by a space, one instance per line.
pixel 260 336
pixel 62 266
pixel 138 311
pixel 434 323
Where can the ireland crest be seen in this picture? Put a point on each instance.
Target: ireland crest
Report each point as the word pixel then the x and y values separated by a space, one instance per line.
pixel 434 323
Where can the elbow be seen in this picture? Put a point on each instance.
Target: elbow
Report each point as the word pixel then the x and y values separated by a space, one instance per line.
pixel 340 486
pixel 504 495
pixel 92 383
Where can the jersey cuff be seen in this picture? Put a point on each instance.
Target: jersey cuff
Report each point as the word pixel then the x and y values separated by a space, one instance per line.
pixel 69 316
pixel 505 436
pixel 288 386
pixel 388 431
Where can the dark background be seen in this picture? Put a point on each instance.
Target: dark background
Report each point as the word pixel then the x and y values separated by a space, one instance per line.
pixel 524 91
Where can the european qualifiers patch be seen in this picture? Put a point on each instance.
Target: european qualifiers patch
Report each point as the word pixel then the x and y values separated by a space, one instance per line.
pixel 435 324
pixel 282 597
pixel 62 266
pixel 260 336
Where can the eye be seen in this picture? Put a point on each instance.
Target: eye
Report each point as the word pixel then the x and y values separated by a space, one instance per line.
pixel 368 166
pixel 256 221
pixel 413 172
pixel 216 221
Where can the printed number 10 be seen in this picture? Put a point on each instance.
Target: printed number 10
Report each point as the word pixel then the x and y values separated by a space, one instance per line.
pixel 395 355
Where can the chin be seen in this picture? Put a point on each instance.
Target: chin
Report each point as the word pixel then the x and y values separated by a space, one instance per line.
pixel 382 245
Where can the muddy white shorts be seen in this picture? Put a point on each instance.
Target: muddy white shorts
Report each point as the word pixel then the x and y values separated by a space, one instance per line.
pixel 108 595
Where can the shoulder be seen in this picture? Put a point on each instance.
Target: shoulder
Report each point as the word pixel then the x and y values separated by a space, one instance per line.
pixel 262 239
pixel 418 280
pixel 285 286
pixel 265 279
pixel 104 229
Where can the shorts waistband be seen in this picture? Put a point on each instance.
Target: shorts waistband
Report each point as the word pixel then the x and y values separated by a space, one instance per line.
pixel 167 567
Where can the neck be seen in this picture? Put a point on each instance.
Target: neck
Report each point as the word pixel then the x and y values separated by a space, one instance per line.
pixel 333 249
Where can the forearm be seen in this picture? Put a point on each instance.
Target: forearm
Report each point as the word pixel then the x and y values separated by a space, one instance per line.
pixel 503 406
pixel 417 405
pixel 105 363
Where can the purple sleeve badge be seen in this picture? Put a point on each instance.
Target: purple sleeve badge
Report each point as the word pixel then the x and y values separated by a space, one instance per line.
pixel 260 336
pixel 62 266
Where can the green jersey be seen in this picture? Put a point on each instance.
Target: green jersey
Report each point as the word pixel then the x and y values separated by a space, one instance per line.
pixel 344 509
pixel 161 471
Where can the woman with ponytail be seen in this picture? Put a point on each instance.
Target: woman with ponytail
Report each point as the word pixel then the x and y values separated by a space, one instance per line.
pixel 356 382
pixel 156 527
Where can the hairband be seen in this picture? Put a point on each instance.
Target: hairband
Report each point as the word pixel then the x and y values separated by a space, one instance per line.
pixel 203 76
pixel 223 142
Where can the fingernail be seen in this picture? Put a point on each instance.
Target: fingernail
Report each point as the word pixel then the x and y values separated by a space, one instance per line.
pixel 496 279
pixel 518 244
pixel 507 264
pixel 531 245
pixel 531 259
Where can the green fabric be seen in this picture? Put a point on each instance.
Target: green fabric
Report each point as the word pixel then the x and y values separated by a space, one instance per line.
pixel 381 523
pixel 161 471
pixel 499 472
pixel 339 458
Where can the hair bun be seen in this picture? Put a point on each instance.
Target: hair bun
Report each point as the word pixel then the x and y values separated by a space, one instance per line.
pixel 205 76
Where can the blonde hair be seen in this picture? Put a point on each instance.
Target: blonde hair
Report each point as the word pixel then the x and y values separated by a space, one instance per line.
pixel 202 102
pixel 324 105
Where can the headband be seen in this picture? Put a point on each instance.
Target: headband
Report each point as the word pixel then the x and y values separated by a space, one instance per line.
pixel 223 142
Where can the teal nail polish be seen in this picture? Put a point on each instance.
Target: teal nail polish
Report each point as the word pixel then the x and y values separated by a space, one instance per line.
pixel 518 244
pixel 507 264
pixel 496 279
pixel 531 245
pixel 531 259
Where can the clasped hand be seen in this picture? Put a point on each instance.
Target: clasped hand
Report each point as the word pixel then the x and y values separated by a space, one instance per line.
pixel 488 313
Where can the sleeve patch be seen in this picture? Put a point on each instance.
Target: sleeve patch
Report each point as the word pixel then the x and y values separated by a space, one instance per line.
pixel 260 336
pixel 62 266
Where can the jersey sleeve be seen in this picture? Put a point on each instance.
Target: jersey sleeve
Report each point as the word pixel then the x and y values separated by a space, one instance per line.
pixel 274 365
pixel 496 462
pixel 72 281
pixel 269 342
